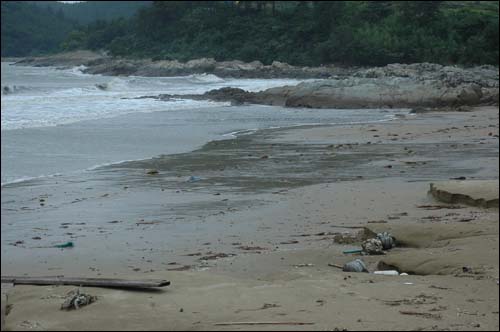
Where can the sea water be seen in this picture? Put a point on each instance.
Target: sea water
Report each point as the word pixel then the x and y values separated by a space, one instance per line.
pixel 62 121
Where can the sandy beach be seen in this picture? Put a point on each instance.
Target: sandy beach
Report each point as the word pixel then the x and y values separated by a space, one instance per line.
pixel 256 248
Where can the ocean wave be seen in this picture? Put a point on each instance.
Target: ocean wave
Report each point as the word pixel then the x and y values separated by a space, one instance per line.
pixel 78 71
pixel 204 78
pixel 27 179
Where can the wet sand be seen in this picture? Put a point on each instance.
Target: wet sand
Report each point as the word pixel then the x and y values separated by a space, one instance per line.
pixel 275 204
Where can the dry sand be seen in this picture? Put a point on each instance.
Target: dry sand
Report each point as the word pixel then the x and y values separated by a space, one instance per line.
pixel 451 253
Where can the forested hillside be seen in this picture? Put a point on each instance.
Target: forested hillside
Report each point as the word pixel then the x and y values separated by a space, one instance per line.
pixel 305 32
pixel 296 32
pixel 29 30
pixel 40 27
pixel 86 12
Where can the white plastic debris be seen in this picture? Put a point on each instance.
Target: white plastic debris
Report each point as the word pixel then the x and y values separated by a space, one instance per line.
pixel 387 273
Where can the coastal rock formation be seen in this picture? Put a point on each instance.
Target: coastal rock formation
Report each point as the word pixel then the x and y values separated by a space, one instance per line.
pixel 392 86
pixel 424 85
pixel 396 85
pixel 68 59
pixel 98 63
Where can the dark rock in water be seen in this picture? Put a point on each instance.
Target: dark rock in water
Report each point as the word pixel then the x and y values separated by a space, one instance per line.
pixel 102 86
pixel 152 171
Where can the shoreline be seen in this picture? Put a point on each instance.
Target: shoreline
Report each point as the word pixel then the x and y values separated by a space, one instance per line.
pixel 288 211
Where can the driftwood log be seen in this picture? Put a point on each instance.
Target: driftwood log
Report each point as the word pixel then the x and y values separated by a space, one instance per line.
pixel 89 282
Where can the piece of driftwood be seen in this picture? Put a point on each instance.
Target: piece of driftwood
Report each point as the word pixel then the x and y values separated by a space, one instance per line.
pixel 262 323
pixel 89 282
pixel 421 314
pixel 335 265
pixel 5 290
pixel 438 207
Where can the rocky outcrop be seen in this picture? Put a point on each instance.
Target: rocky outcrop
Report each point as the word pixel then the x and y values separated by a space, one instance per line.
pixel 420 86
pixel 98 63
pixel 68 59
pixel 234 69
pixel 395 86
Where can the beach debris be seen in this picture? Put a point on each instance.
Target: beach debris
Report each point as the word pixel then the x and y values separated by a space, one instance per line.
pixel 404 274
pixel 213 256
pixel 75 300
pixel 387 272
pixel 421 314
pixel 181 268
pixel 251 248
pixel 377 222
pixel 65 245
pixel 289 242
pixel 352 251
pixel 30 325
pixel 438 287
pixel 152 171
pixel 304 265
pixel 142 222
pixel 438 207
pixel 335 265
pixel 264 307
pixel 387 240
pixel 262 323
pixel 372 247
pixel 355 266
pixel 193 178
pixel 89 282
pixel 349 238
pixel 459 178
pixel 6 288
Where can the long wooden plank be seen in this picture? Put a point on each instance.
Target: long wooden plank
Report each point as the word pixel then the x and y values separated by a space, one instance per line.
pixel 262 323
pixel 90 282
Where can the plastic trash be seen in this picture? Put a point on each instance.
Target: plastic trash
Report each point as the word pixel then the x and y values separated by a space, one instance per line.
pixel 193 178
pixel 387 272
pixel 65 245
pixel 387 240
pixel 352 251
pixel 355 266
